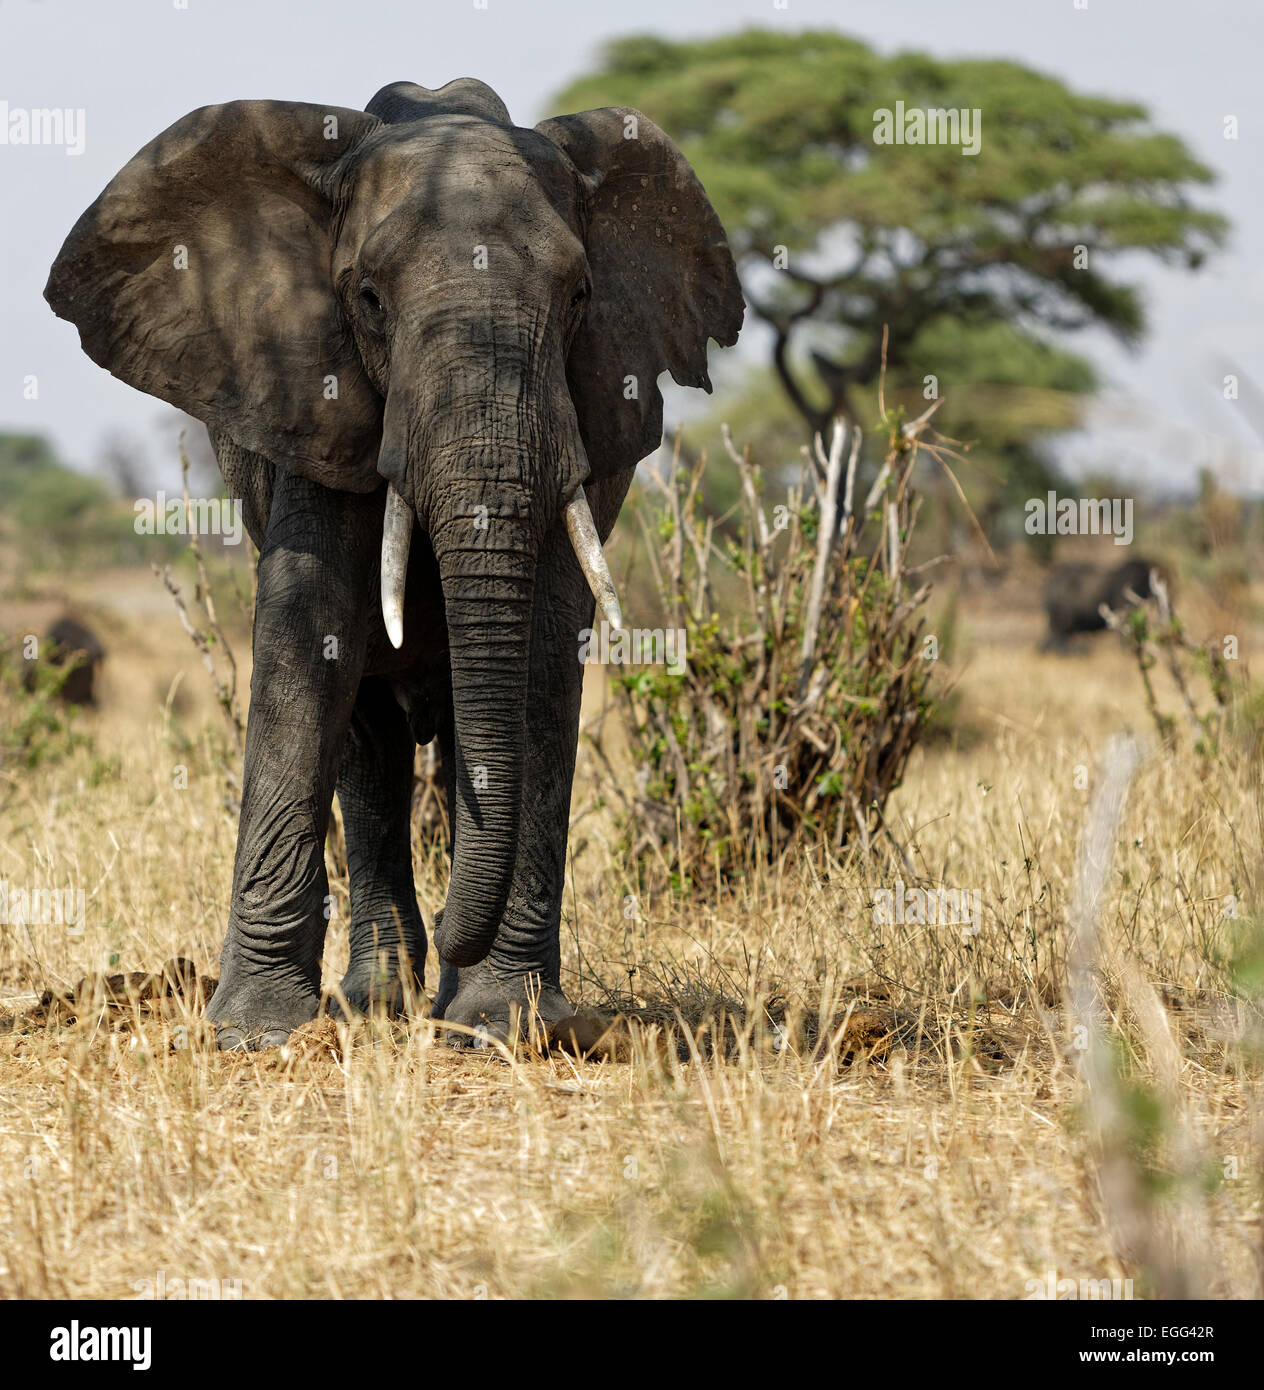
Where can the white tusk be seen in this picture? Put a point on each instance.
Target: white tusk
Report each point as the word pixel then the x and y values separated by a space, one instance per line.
pixel 397 535
pixel 582 530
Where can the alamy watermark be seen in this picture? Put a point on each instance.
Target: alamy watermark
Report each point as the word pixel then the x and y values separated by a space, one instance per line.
pixel 43 907
pixel 636 646
pixel 74 1342
pixel 162 1289
pixel 203 516
pixel 1053 1287
pixel 916 125
pixel 929 907
pixel 1052 515
pixel 66 126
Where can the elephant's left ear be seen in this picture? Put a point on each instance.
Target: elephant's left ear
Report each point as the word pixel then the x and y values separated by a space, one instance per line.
pixel 663 281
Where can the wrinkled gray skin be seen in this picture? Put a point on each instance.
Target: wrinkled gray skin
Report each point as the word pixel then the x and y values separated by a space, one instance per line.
pixel 480 296
pixel 1074 593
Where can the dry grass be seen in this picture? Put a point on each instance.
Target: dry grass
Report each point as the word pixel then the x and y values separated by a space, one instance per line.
pixel 893 1110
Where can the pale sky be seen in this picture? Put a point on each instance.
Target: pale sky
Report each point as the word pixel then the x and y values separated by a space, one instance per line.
pixel 135 66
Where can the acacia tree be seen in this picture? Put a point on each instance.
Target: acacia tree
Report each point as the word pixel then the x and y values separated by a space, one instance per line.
pixel 837 236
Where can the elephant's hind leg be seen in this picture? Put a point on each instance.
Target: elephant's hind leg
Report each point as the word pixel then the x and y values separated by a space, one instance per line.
pixel 388 937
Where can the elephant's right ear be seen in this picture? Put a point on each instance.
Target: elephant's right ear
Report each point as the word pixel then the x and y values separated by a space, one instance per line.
pixel 202 276
pixel 664 281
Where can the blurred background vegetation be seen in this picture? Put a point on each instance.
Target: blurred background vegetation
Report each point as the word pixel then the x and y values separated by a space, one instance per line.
pixel 979 270
pixel 54 519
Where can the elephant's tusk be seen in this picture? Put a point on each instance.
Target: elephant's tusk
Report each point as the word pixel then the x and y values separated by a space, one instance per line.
pixel 397 534
pixel 582 530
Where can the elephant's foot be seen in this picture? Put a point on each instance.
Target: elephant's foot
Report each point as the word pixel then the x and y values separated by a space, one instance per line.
pixel 491 1002
pixel 385 983
pixel 259 1011
pixel 387 965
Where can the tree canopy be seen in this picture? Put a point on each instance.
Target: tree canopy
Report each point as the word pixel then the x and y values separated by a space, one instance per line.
pixel 837 236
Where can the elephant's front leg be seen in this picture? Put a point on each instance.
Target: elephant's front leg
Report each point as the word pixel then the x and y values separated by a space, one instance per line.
pixel 317 580
pixel 522 975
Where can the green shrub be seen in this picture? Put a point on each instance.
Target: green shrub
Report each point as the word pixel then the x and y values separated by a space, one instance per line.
pixel 807 679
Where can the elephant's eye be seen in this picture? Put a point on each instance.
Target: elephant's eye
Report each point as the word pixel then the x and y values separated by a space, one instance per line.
pixel 370 298
pixel 582 293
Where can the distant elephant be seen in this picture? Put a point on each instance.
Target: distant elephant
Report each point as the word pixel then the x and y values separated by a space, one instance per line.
pixel 69 643
pixel 1074 594
pixel 426 344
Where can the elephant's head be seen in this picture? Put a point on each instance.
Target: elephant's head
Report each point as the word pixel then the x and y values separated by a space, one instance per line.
pixel 423 293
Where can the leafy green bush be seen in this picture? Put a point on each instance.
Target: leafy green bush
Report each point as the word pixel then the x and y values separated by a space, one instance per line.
pixel 792 717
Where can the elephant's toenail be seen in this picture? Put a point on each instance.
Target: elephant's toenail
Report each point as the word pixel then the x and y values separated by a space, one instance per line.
pixel 232 1040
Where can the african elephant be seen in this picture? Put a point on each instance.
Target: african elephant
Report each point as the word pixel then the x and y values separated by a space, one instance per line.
pixel 69 642
pixel 1075 593
pixel 425 342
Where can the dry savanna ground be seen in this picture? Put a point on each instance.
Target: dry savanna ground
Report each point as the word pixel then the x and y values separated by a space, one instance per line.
pixel 800 1102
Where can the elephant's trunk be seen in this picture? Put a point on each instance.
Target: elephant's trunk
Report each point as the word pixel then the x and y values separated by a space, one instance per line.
pixel 487 473
pixel 488 599
pixel 472 472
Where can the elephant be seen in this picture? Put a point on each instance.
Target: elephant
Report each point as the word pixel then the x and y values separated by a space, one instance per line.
pixel 1074 595
pixel 69 642
pixel 426 344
